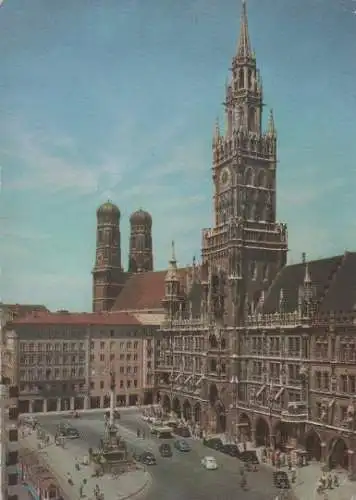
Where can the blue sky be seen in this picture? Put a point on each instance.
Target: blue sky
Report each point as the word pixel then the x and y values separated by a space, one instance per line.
pixel 118 100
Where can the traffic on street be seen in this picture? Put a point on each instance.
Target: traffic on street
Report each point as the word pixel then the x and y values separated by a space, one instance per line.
pixel 180 467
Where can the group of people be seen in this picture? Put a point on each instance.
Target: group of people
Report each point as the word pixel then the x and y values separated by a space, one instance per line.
pixel 327 482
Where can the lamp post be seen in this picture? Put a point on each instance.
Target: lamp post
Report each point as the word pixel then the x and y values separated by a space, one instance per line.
pixel 270 408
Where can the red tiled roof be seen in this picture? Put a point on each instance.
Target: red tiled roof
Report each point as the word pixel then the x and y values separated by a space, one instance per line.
pixel 23 309
pixel 65 318
pixel 143 291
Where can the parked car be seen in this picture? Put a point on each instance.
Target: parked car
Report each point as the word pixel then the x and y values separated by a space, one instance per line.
pixel 116 415
pixel 67 431
pixel 147 458
pixel 249 456
pixel 214 444
pixel 182 431
pixel 181 445
pixel 231 449
pixel 165 450
pixel 209 463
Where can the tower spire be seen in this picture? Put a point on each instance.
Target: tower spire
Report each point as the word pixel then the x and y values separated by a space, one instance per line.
pixel 173 261
pixel 244 47
pixel 271 129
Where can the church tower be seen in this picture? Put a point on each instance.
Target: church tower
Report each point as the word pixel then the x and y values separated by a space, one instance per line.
pixel 247 242
pixel 141 253
pixel 108 276
pixel 173 297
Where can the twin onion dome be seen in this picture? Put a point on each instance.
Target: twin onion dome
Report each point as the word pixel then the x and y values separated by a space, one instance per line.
pixel 138 218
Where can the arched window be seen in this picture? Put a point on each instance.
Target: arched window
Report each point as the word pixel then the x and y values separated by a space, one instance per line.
pixel 252 119
pixel 261 179
pixel 253 270
pixel 249 79
pixel 249 177
pixel 241 79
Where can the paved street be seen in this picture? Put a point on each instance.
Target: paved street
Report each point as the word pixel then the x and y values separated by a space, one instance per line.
pixel 181 476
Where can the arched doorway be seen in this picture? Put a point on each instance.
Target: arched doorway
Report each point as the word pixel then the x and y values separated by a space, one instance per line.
pixel 338 454
pixel 313 445
pixel 220 418
pixel 187 410
pixel 197 413
pixel 176 407
pixel 262 433
pixel 281 435
pixel 166 404
pixel 245 427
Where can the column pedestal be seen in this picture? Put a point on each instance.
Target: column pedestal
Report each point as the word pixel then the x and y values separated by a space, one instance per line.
pixel 72 403
pixel 351 464
pixel 59 407
pixel 86 402
pixel 45 406
pixel 30 406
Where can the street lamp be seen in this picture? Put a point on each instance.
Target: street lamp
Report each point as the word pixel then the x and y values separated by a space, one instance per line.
pixel 270 408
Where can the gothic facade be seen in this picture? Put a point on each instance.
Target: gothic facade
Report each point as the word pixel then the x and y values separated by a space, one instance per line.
pixel 241 342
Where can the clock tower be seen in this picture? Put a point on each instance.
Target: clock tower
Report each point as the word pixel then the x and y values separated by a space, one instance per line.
pixel 247 244
pixel 108 276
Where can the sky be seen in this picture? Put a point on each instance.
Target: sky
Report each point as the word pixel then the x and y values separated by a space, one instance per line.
pixel 118 100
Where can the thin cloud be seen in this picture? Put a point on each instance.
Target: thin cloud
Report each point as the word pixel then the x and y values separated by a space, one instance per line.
pixel 304 194
pixel 44 168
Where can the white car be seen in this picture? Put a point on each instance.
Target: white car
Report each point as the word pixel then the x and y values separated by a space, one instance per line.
pixel 209 463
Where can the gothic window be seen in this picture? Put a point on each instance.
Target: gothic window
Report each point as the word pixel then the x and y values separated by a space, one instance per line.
pixel 249 80
pixel 253 270
pixel 241 78
pixel 249 177
pixel 140 242
pixel 261 179
pixel 252 119
pixel 252 212
pixel 265 272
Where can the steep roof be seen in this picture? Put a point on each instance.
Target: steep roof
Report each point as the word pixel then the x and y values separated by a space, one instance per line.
pixel 143 291
pixel 328 277
pixel 83 319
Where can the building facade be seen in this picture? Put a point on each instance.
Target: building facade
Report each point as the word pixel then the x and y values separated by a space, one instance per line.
pixel 62 361
pixel 253 348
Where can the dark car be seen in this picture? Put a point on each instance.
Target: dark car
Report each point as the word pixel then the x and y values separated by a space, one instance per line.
pixel 181 445
pixel 249 457
pixel 165 450
pixel 214 444
pixel 231 449
pixel 147 458
pixel 182 431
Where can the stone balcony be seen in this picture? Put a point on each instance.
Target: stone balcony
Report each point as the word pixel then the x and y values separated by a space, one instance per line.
pixel 293 418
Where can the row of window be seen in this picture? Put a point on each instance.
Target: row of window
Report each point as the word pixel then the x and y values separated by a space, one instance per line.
pixel 52 359
pixel 56 346
pixel 347 383
pixel 28 388
pixel 112 357
pixel 101 384
pixel 128 344
pixel 52 374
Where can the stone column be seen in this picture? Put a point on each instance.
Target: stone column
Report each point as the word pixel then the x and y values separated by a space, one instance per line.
pixel 86 402
pixel 45 405
pixel 323 452
pixel 30 406
pixel 72 403
pixel 59 404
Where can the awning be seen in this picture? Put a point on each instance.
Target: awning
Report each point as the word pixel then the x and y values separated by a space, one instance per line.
pixel 331 403
pixel 188 379
pixel 178 377
pixel 279 394
pixel 260 391
pixel 200 380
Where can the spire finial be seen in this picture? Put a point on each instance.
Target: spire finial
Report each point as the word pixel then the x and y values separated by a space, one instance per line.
pixel 173 259
pixel 271 125
pixel 244 46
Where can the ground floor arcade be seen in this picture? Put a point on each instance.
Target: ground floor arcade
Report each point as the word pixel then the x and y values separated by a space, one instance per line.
pixel 82 402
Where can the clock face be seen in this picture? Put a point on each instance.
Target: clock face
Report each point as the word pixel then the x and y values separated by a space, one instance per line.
pixel 225 177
